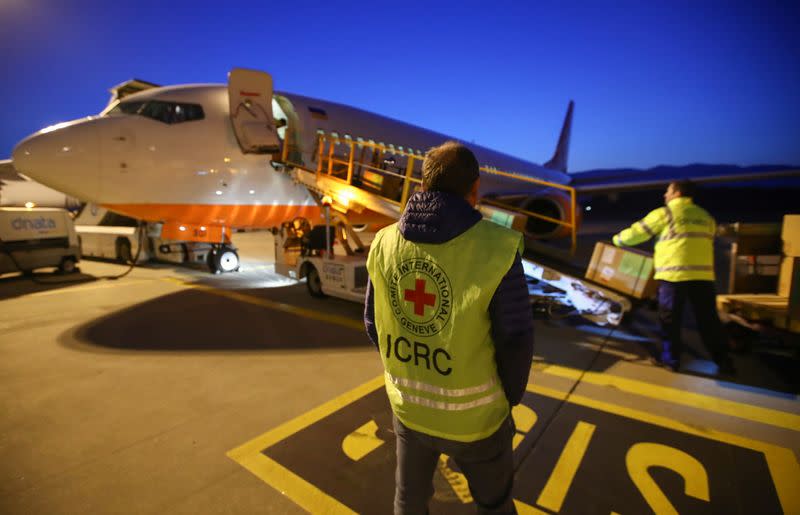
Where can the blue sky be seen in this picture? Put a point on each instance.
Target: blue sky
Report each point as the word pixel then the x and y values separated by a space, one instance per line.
pixel 653 82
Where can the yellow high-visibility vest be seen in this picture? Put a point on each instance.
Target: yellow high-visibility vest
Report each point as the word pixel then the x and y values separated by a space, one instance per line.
pixel 685 240
pixel 432 318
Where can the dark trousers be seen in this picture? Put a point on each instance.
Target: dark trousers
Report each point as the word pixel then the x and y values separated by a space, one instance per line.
pixel 672 297
pixel 487 464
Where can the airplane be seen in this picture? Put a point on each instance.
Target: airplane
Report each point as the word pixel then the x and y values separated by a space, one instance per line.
pixel 17 190
pixel 199 158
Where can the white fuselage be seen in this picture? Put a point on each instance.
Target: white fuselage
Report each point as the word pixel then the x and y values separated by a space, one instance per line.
pixel 195 171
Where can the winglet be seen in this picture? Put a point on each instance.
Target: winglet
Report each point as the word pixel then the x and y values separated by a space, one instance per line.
pixel 559 159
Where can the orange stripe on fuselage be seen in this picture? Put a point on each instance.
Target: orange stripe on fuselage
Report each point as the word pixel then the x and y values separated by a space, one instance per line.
pixel 218 214
pixel 236 215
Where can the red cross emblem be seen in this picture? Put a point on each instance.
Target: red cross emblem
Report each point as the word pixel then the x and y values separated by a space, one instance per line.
pixel 420 298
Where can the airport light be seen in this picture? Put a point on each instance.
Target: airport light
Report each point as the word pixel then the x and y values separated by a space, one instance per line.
pixel 30 205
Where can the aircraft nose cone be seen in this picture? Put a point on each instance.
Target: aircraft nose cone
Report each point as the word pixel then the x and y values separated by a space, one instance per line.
pixel 63 157
pixel 21 157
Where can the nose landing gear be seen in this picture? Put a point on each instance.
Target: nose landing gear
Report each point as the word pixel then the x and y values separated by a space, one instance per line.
pixel 223 259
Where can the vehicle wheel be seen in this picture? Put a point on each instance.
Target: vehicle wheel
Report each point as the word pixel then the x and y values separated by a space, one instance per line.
pixel 314 283
pixel 124 254
pixel 69 265
pixel 226 260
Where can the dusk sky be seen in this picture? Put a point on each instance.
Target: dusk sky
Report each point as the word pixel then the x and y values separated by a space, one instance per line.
pixel 653 82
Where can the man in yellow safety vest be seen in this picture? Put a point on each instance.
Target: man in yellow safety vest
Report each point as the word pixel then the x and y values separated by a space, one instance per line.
pixel 684 267
pixel 447 307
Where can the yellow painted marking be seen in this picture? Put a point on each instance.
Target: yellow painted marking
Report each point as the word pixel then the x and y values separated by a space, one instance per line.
pixel 524 418
pixel 527 509
pixel 79 289
pixel 300 491
pixel 644 455
pixel 555 491
pixel 362 441
pixel 686 398
pixel 274 305
pixel 782 462
pixel 458 482
pixel 303 493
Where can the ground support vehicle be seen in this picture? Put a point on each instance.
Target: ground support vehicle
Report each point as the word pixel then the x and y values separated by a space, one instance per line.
pixel 301 252
pixel 764 281
pixel 37 238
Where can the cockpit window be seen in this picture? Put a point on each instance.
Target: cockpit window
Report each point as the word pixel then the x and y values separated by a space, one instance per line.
pixel 166 112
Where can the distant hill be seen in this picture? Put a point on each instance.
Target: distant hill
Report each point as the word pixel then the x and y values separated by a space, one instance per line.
pixel 692 171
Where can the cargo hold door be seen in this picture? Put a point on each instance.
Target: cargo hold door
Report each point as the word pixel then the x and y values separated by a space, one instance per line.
pixel 250 100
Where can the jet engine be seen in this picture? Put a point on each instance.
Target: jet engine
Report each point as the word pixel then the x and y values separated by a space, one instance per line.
pixel 551 203
pixel 517 212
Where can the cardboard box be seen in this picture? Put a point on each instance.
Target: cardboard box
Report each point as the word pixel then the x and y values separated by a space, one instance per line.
pixel 624 270
pixel 790 234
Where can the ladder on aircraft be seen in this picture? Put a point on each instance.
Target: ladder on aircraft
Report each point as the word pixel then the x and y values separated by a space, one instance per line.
pixel 362 174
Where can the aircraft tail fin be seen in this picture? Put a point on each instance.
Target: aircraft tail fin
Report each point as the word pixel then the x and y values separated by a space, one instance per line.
pixel 559 159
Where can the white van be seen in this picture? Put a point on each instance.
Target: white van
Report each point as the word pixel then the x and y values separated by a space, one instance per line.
pixel 37 238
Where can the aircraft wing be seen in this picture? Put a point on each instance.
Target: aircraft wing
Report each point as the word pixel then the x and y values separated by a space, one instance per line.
pixel 8 172
pixel 608 181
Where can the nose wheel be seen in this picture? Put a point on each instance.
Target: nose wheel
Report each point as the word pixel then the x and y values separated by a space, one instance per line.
pixel 223 259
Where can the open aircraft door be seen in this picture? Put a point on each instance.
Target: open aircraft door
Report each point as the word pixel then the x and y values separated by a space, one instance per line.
pixel 250 99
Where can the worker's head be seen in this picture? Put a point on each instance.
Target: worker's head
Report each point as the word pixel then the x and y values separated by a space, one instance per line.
pixel 679 189
pixel 451 167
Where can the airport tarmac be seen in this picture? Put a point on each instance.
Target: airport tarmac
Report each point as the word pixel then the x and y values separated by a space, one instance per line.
pixel 174 391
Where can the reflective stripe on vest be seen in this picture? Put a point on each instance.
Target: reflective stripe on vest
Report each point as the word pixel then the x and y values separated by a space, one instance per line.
pixel 684 268
pixel 647 228
pixel 444 392
pixel 683 235
pixel 670 223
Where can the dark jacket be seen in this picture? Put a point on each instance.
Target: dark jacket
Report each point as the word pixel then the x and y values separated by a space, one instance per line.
pixel 437 217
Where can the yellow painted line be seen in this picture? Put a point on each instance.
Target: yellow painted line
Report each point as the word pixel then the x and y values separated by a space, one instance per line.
pixel 274 305
pixel 555 491
pixel 686 398
pixel 303 493
pixel 527 509
pixel 782 462
pixel 309 497
pixel 78 289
